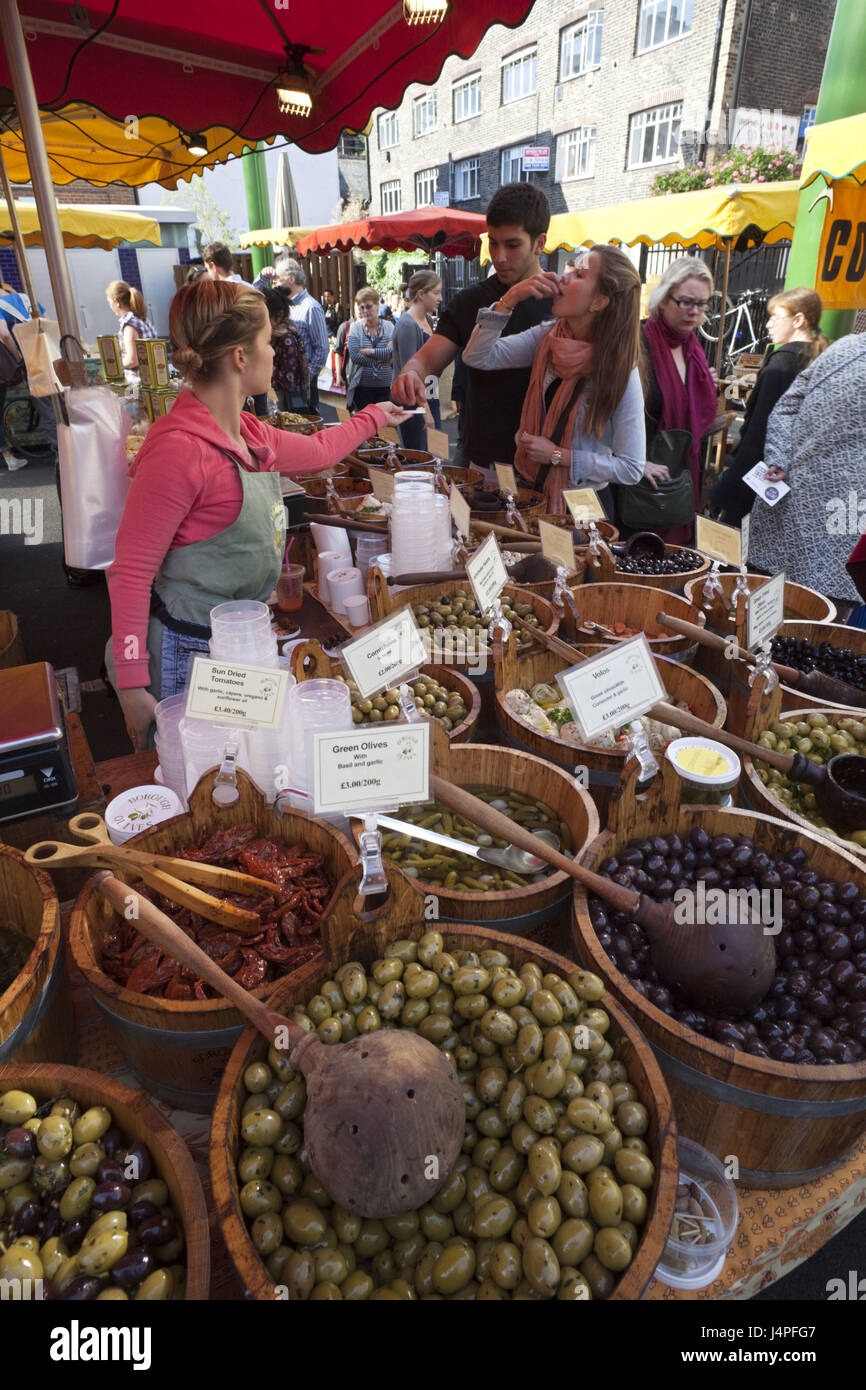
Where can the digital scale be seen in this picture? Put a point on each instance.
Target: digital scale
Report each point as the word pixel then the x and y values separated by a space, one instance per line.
pixel 35 769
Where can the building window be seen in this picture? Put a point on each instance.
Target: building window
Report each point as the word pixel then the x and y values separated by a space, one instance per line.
pixel 389 196
pixel 466 179
pixel 518 75
pixel 389 131
pixel 424 114
pixel 426 182
pixel 663 20
pixel 580 46
pixel 352 145
pixel 575 154
pixel 467 97
pixel 654 135
pixel 512 165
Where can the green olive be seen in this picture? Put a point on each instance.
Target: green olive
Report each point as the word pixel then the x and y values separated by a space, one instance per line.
pixel 14 1171
pixel 600 1280
pixel 16 1107
pixel 257 1077
pixel 85 1160
pixel 545 1167
pixel 634 1168
pixel 605 1202
pixel 612 1249
pixel 544 1216
pixel 506 1266
pixel 303 1222
pixel 76 1199
pixel 261 1127
pixel 54 1139
pixel 267 1232
pixel 453 1269
pixel 583 1153
pixel 589 1117
pixel 104 1252
pixel 372 1240
pixel 156 1287
pixel 541 1267
pixel 493 1216
pixel 90 1128
pixel 632 1118
pixel 357 1287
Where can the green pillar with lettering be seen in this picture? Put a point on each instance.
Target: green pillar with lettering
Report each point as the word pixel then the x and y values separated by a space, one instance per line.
pixel 258 203
pixel 843 93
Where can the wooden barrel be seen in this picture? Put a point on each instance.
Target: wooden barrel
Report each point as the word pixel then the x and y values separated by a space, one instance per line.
pixel 138 1118
pixel 539 910
pixel 178 1049
pixel 636 606
pixel 603 767
pixel 606 529
pixel 35 1012
pixel 309 661
pixel 310 424
pixel 12 651
pixel 784 1124
pixel 604 570
pixel 352 493
pixel 476 664
pixel 760 795
pixel 545 587
pixel 383 458
pixel 800 602
pixel 336 470
pixel 365 938
pixel 529 504
pixel 854 638
pixel 460 477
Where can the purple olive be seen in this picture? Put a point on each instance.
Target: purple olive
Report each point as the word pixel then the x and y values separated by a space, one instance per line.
pixel 51 1222
pixel 837 946
pixel 112 1140
pixel 856 987
pixel 110 1170
pixel 609 867
pixel 142 1209
pixel 132 1268
pixel 819 1002
pixel 157 1230
pixel 111 1196
pixel 82 1289
pixel 699 839
pixel 73 1233
pixel 20 1143
pixel 28 1218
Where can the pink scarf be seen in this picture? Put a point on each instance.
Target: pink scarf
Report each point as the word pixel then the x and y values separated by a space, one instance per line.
pixel 571 360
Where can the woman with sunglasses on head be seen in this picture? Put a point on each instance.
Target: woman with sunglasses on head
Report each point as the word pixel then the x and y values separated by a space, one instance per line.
pixel 680 387
pixel 794 328
pixel 582 420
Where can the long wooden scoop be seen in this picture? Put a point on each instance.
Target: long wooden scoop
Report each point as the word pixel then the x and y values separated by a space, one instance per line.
pixel 815 683
pixel 723 968
pixel 378 1109
pixel 376 528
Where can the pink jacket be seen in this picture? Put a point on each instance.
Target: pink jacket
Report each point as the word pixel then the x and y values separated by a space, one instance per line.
pixel 185 490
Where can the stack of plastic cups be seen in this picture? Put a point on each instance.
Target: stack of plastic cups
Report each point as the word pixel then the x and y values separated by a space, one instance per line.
pixel 366 550
pixel 442 519
pixel 242 633
pixel 169 713
pixel 316 707
pixel 203 747
pixel 413 530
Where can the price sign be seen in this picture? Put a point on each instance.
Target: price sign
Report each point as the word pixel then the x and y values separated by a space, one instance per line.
pixel 250 697
pixel 556 545
pixel 765 611
pixel 505 478
pixel 584 505
pixel 460 512
pixel 725 543
pixel 487 573
pixel 611 689
pixel 384 655
pixel 371 768
pixel 439 444
pixel 383 484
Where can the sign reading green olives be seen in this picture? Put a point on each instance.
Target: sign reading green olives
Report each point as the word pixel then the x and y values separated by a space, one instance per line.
pixel 386 654
pixel 371 768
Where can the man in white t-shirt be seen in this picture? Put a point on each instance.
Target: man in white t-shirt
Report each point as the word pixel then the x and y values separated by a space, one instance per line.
pixel 219 263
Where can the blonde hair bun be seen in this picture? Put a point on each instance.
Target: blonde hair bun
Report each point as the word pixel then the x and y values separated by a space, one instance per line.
pixel 186 360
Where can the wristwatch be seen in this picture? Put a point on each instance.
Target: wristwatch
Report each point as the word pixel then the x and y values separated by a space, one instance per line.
pixel 556 458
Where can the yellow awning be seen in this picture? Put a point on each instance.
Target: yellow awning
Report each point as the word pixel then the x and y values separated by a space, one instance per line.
pixel 84 144
pixel 273 236
pixel 836 150
pixel 707 217
pixel 82 224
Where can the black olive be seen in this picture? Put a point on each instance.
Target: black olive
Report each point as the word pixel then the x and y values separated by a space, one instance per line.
pixel 847 892
pixel 819 1002
pixel 788 1010
pixel 111 1196
pixel 771 881
pixel 856 987
pixel 698 838
pixel 74 1232
pixel 110 1170
pixel 631 857
pixel 609 867
pixel 28 1218
pixel 837 946
pixel 111 1140
pixel 799 984
pixel 19 1142
pixel 721 846
pixel 659 845
pixel 79 1290
pixel 741 856
pixel 782 1052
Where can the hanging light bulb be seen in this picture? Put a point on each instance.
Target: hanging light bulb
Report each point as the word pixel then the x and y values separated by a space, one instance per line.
pixel 424 11
pixel 197 144
pixel 293 83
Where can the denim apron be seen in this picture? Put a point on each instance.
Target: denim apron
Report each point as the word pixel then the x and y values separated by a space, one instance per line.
pixel 242 562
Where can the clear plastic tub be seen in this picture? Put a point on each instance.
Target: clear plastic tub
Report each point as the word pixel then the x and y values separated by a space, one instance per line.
pixel 684 1264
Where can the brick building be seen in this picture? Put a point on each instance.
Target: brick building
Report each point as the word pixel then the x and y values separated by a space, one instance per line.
pixel 617 92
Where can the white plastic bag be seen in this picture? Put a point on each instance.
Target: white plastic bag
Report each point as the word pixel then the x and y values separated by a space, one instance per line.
pixel 94 479
pixel 39 341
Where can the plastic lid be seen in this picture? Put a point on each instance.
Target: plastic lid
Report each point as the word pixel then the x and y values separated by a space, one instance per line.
pixel 699 1280
pixel 704 762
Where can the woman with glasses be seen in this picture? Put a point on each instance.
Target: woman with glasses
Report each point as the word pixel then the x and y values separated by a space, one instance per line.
pixel 794 328
pixel 680 389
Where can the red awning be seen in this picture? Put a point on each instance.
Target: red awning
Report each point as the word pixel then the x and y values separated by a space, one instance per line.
pixel 200 63
pixel 448 230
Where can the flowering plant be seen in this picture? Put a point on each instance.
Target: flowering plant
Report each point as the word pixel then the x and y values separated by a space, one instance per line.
pixel 743 165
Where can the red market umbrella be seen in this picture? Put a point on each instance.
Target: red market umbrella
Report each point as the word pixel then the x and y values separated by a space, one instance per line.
pixel 202 63
pixel 448 230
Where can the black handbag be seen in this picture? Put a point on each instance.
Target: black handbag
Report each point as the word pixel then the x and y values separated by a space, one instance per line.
pixel 645 508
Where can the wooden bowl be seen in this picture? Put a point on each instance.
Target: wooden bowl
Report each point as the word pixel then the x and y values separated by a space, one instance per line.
pixel 383 602
pixel 546 587
pixel 460 477
pixel 309 661
pixel 35 1011
pixel 800 602
pixel 606 529
pixel 378 458
pixel 177 1048
pixel 605 571
pixel 854 638
pixel 352 492
pixel 603 767
pixel 529 504
pixel 138 1118
pixel 760 794
pixel 311 425
pixel 784 1124
pixel 336 470
pixel 364 939
pixel 636 606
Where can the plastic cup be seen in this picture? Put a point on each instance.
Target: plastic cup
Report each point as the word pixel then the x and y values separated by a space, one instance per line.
pixel 687 1266
pixel 357 611
pixel 290 589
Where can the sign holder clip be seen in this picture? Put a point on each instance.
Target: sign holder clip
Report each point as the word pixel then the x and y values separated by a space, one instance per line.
pixel 373 879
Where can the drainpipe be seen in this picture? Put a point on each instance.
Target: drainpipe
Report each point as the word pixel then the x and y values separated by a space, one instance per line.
pixel 711 94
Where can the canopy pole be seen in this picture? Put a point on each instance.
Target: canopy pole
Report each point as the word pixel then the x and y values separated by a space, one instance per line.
pixel 720 341
pixel 24 91
pixel 258 202
pixel 18 240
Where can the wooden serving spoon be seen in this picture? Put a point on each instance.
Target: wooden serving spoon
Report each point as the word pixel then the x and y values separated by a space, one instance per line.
pixel 722 968
pixel 379 1108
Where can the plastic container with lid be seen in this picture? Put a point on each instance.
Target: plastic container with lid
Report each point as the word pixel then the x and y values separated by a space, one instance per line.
pixel 709 770
pixel 685 1264
pixel 140 808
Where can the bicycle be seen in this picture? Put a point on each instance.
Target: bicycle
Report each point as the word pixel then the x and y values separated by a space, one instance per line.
pixel 21 426
pixel 735 324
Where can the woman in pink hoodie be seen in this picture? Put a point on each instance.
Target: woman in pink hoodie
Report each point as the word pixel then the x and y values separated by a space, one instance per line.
pixel 204 520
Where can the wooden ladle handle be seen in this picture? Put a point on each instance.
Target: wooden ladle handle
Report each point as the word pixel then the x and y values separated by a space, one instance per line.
pixel 493 821
pixel 169 937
